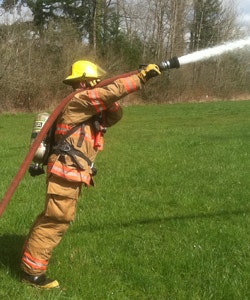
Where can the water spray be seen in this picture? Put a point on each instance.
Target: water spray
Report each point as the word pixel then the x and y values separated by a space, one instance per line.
pixel 204 54
pixel 213 51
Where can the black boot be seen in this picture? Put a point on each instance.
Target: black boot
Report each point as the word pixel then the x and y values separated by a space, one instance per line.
pixel 40 281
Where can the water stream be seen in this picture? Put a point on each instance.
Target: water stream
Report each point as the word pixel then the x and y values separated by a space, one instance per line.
pixel 213 51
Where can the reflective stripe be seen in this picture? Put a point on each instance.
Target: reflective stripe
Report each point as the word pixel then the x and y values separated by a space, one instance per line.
pixel 70 174
pixel 129 84
pixel 62 129
pixel 96 100
pixel 34 263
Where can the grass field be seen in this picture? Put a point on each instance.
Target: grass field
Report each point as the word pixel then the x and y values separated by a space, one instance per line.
pixel 169 217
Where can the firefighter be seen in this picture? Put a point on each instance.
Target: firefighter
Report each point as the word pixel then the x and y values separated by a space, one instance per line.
pixel 78 138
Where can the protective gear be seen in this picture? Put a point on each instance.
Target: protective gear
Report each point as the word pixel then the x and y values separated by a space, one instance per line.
pixel 38 124
pixel 79 110
pixel 41 281
pixel 65 179
pixel 83 70
pixel 150 71
pixel 92 83
pixel 36 167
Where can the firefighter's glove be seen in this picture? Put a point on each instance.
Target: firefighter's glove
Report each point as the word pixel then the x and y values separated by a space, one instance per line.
pixel 93 83
pixel 150 71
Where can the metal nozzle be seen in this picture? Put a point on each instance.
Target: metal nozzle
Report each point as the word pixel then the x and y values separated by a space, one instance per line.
pixel 172 63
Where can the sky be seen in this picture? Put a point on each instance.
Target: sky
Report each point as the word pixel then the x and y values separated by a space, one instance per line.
pixel 243 8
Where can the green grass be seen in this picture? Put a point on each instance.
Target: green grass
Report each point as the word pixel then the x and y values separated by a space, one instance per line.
pixel 169 217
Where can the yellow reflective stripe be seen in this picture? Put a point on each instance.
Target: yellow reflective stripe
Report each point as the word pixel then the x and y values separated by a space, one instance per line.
pixel 129 84
pixel 64 171
pixel 34 263
pixel 96 100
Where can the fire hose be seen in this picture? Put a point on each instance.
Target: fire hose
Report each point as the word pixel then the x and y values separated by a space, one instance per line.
pixel 168 64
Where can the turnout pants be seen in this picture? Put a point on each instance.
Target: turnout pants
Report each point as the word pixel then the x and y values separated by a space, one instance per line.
pixel 50 226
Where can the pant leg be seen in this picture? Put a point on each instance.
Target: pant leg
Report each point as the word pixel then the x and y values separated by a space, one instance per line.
pixel 49 228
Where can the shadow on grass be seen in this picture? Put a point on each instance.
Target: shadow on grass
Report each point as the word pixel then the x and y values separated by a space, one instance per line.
pixel 10 252
pixel 161 220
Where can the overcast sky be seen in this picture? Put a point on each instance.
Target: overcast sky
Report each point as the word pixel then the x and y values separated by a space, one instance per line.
pixel 242 6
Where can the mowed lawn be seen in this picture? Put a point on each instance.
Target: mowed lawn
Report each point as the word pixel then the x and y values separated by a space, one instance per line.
pixel 169 217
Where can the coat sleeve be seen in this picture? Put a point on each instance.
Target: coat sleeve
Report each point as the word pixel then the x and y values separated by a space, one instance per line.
pixel 87 103
pixel 112 115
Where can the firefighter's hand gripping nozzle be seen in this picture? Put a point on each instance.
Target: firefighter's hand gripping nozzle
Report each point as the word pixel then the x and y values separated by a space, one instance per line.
pixel 172 63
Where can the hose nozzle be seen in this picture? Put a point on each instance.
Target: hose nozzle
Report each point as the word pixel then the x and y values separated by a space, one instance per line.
pixel 172 63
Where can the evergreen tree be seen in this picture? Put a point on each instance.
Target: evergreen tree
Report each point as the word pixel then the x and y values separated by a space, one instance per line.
pixel 95 20
pixel 207 24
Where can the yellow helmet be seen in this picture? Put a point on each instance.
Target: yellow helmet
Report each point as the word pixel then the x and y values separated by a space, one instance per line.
pixel 83 70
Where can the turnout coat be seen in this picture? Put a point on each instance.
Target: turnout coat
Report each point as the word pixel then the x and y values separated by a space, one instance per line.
pixel 82 109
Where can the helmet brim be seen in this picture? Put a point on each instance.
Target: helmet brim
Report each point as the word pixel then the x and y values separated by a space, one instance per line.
pixel 71 78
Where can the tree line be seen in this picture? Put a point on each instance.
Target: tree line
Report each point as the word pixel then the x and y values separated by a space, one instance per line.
pixel 119 35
